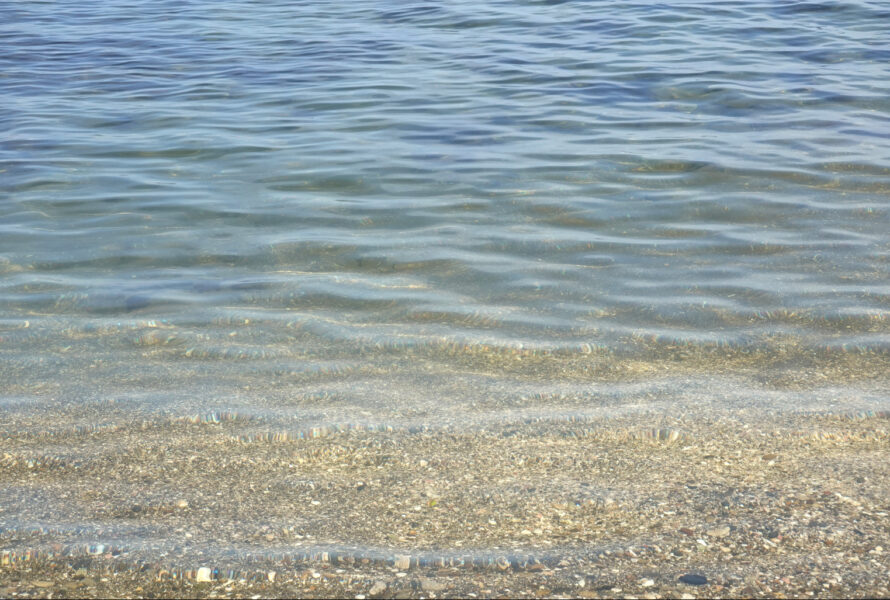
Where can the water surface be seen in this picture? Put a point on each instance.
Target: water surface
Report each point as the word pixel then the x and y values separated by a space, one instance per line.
pixel 308 214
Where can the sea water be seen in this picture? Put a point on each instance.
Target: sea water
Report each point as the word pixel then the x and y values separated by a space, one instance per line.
pixel 307 217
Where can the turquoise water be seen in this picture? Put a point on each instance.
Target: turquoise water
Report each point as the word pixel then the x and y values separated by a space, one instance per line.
pixel 373 213
pixel 203 197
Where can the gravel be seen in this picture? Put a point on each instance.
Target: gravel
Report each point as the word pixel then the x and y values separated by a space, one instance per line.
pixel 565 507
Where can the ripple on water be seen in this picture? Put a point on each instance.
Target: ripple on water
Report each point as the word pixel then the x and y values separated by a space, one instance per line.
pixel 244 236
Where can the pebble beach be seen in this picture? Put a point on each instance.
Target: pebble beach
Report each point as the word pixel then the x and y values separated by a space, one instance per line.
pixel 732 503
pixel 512 298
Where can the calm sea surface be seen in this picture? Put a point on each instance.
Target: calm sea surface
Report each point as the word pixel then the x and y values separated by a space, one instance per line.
pixel 445 214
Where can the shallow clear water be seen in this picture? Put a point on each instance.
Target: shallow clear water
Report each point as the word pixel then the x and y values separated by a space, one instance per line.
pixel 374 213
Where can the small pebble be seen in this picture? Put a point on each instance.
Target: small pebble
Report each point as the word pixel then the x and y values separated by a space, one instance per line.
pixel 378 588
pixel 693 579
pixel 647 582
pixel 402 562
pixel 204 574
pixel 719 532
pixel 431 585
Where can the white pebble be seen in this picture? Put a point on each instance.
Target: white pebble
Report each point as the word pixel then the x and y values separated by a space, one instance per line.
pixel 378 588
pixel 719 532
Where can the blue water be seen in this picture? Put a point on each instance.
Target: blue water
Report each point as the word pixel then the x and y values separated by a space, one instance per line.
pixel 436 212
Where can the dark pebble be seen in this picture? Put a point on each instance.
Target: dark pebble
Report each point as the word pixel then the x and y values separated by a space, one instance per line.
pixel 693 579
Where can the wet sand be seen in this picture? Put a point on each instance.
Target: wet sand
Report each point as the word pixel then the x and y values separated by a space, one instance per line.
pixel 757 504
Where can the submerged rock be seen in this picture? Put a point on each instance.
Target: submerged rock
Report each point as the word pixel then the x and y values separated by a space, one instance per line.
pixel 694 579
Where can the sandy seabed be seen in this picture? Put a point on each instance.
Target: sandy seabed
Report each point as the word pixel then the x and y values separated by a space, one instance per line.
pixel 751 505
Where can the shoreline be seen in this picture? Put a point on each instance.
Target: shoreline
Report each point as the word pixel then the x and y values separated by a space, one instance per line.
pixel 759 506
